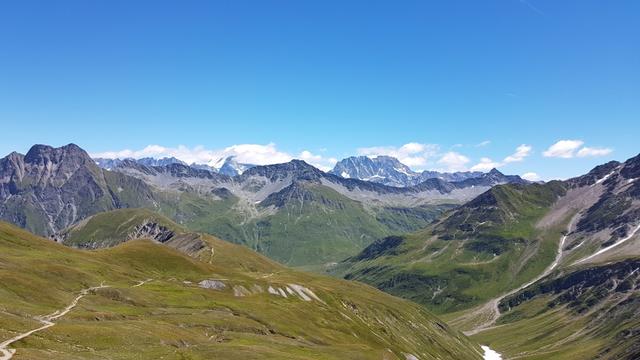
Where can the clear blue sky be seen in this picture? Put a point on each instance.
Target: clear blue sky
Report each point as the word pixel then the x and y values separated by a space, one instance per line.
pixel 330 77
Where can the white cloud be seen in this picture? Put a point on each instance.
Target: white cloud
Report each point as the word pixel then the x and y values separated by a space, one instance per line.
pixel 483 143
pixel 485 164
pixel 256 154
pixel 245 153
pixel 453 161
pixel 563 149
pixel 531 176
pixel 411 154
pixel 322 163
pixel 522 152
pixel 571 148
pixel 589 151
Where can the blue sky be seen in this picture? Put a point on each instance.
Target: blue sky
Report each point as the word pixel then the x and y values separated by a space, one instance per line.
pixel 464 83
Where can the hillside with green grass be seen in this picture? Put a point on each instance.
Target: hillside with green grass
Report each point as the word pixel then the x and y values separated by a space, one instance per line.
pixel 305 224
pixel 157 302
pixel 475 252
pixel 590 312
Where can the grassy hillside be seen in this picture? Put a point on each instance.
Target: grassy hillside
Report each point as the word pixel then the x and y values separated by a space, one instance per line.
pixel 303 225
pixel 172 317
pixel 111 228
pixel 475 252
pixel 583 313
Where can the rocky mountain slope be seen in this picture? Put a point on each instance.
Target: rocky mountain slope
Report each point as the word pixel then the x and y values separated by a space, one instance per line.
pixel 469 255
pixel 222 301
pixel 49 188
pixel 507 235
pixel 390 171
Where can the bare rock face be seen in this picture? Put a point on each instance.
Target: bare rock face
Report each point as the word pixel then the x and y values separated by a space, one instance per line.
pixel 189 243
pixel 212 284
pixel 50 188
pixel 151 230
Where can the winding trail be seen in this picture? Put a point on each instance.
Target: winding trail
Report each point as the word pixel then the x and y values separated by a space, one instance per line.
pixel 47 321
pixel 492 305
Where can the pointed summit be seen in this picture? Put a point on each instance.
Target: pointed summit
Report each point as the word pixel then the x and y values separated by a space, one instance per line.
pixel 51 188
pixel 231 167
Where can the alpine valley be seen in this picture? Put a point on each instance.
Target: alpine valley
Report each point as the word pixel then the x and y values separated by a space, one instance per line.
pixel 293 212
pixel 285 261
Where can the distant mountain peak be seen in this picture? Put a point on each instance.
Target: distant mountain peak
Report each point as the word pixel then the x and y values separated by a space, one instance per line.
pixel 42 154
pixel 388 170
pixel 231 167
pixel 149 161
pixel 110 164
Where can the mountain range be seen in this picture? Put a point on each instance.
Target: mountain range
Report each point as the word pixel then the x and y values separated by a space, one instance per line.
pixel 267 208
pixel 535 270
pixel 390 171
pixel 384 170
pixel 226 166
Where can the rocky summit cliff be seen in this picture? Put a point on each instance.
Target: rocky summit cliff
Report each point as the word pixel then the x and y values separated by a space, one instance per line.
pixel 51 188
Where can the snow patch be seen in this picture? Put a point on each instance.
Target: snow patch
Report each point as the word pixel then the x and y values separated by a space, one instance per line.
pixel 610 247
pixel 604 178
pixel 490 354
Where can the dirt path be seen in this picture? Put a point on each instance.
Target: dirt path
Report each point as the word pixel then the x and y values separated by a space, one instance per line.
pixel 47 322
pixel 492 305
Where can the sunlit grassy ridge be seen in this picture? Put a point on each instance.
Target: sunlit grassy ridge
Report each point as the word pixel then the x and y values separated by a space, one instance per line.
pixel 171 317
